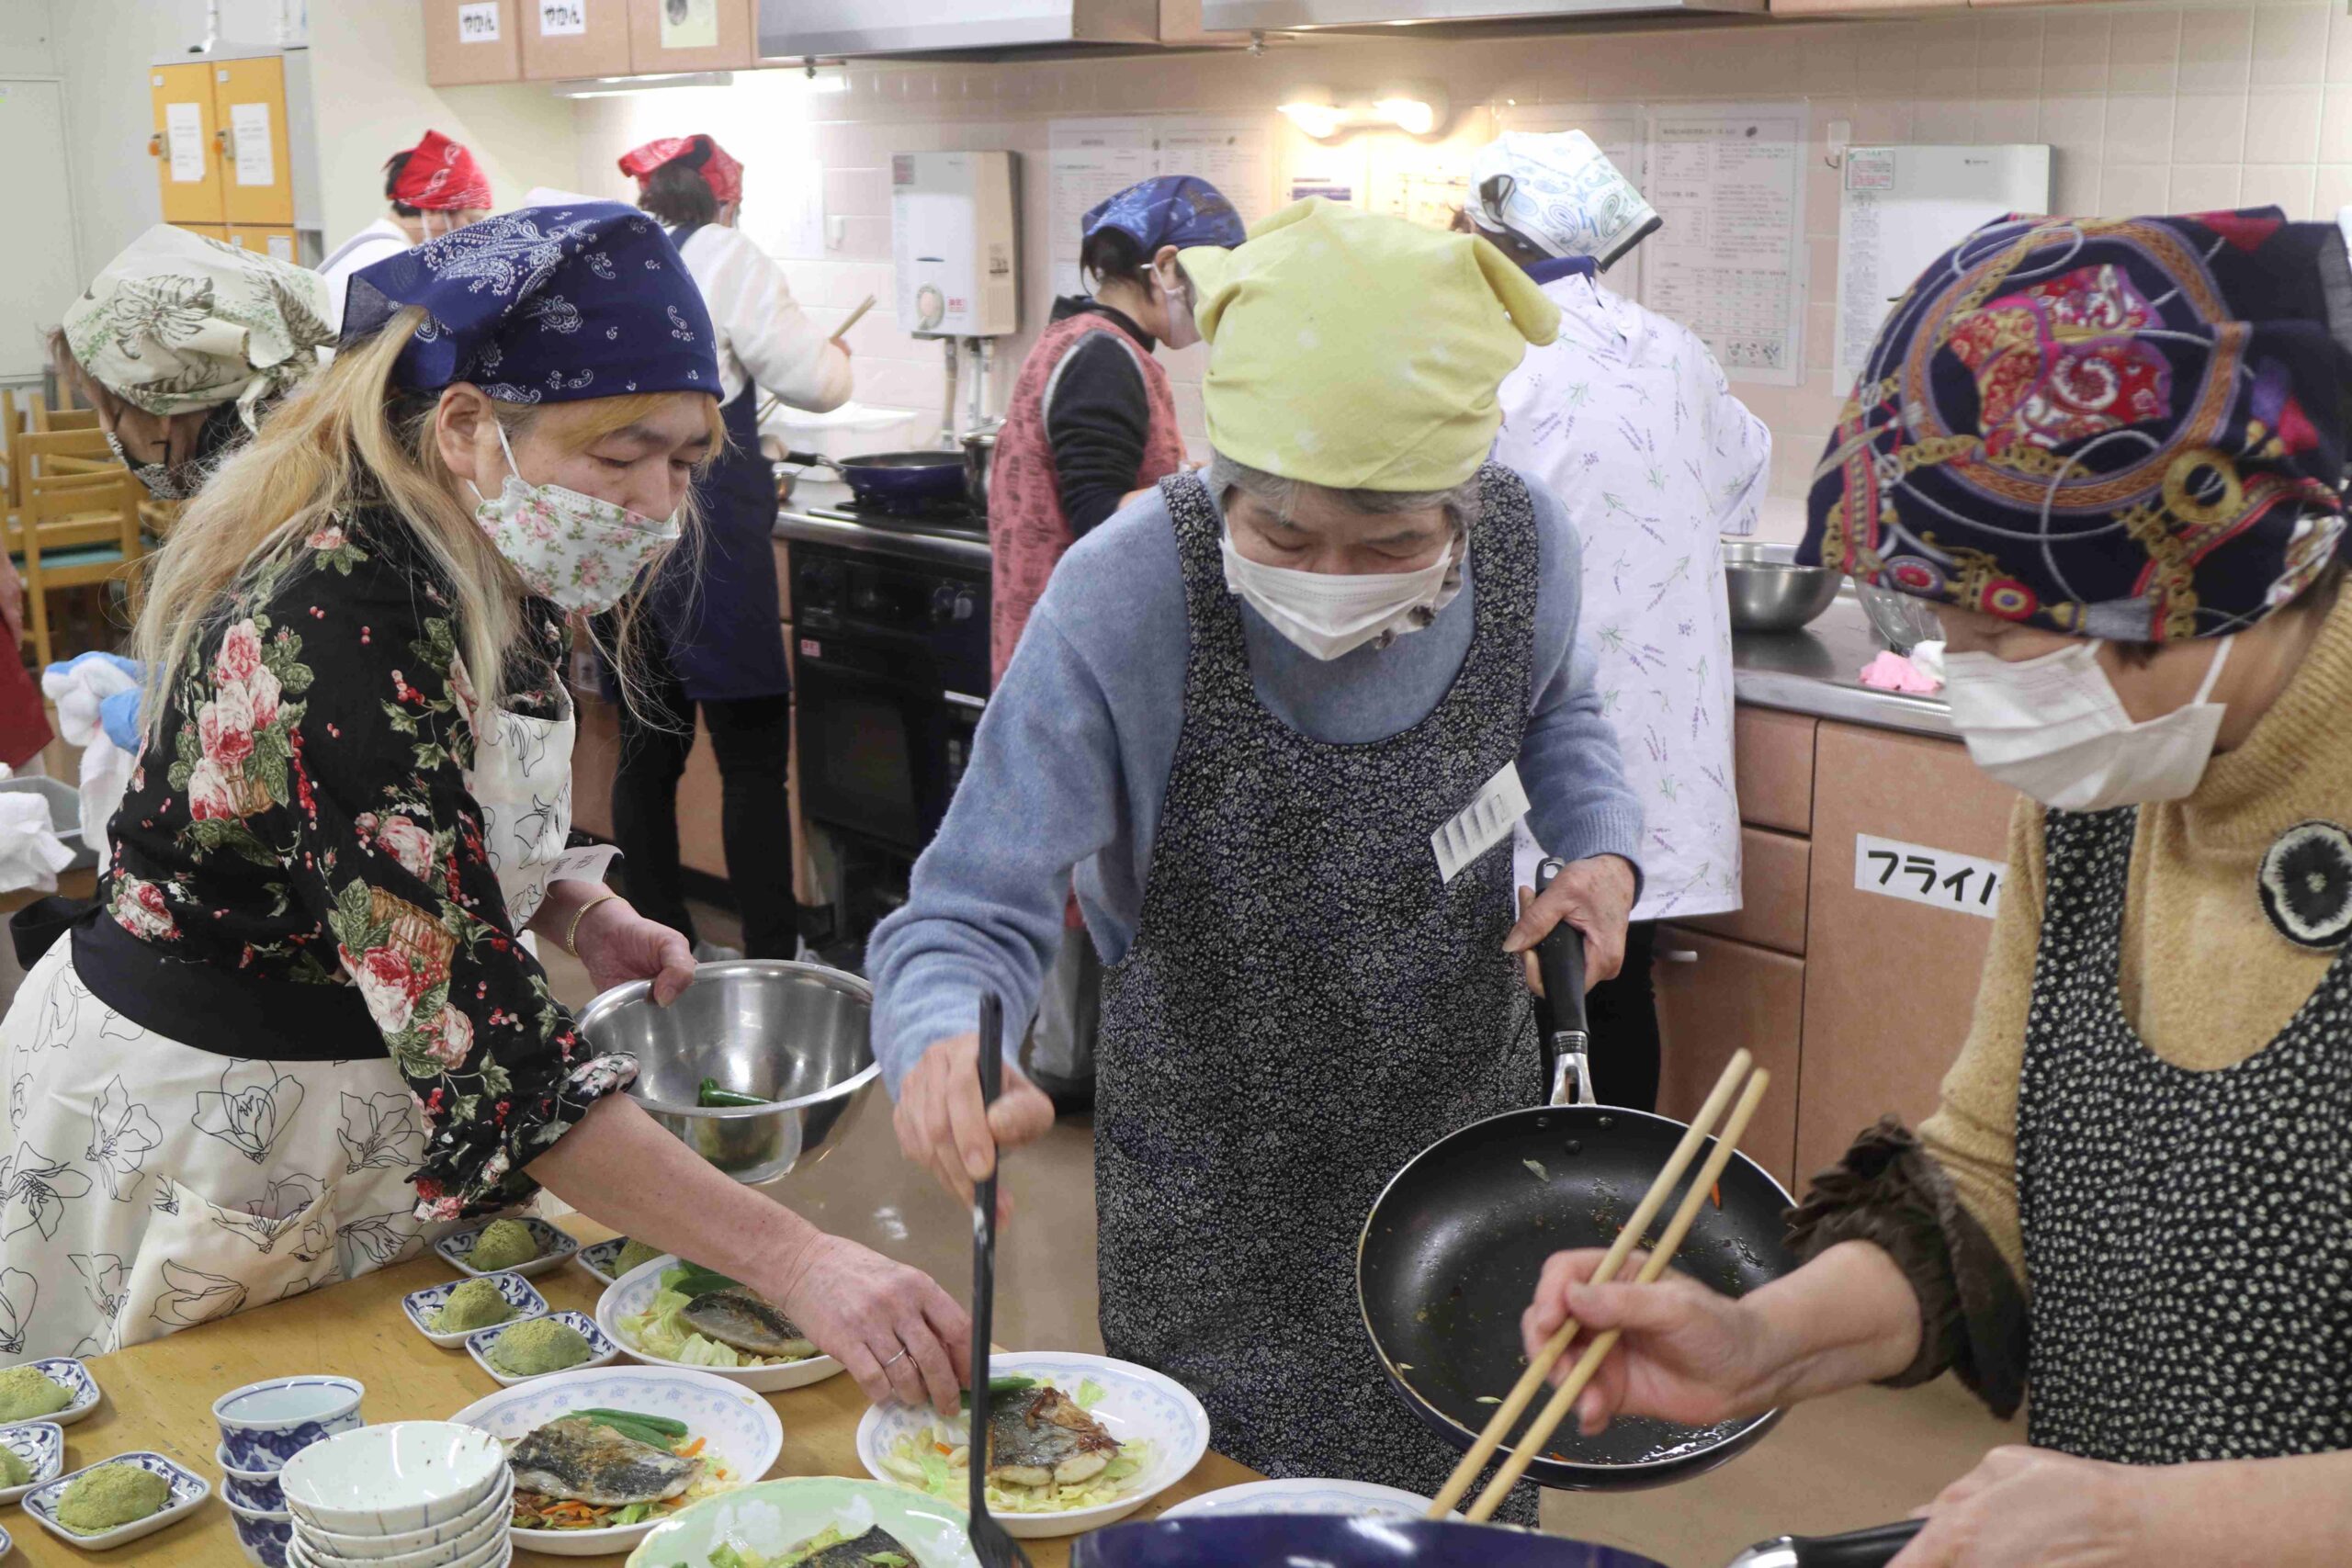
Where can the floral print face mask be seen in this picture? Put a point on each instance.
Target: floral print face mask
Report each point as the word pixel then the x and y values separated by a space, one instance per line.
pixel 573 550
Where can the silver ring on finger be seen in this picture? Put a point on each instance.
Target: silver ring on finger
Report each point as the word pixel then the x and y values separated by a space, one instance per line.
pixel 903 1353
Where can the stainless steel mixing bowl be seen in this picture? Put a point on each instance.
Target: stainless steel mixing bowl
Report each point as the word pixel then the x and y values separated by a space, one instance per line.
pixel 1769 592
pixel 793 1033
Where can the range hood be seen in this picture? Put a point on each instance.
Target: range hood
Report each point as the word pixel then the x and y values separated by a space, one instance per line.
pixel 1299 16
pixel 795 29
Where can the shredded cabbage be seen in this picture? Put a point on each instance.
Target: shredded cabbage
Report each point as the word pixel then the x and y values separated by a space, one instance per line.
pixel 661 1330
pixel 916 1460
pixel 728 1554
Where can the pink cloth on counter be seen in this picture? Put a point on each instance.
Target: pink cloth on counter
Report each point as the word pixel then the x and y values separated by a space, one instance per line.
pixel 1890 672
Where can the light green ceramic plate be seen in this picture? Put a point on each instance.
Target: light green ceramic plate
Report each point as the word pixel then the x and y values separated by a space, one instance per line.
pixel 764 1522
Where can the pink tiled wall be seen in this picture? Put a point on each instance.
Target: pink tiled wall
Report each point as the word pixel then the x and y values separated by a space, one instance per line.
pixel 2148 109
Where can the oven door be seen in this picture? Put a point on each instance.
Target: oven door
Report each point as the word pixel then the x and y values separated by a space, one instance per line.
pixel 880 758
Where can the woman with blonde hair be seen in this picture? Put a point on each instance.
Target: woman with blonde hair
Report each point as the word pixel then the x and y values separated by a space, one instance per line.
pixel 304 993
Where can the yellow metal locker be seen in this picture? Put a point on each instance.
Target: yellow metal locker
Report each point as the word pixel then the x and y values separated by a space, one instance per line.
pixel 185 124
pixel 249 104
pixel 270 242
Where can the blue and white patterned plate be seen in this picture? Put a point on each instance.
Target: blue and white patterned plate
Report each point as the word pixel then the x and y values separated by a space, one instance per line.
pixel 601 1347
pixel 1137 1405
pixel 188 1492
pixel 601 1258
pixel 74 1379
pixel 776 1516
pixel 634 1292
pixel 41 1445
pixel 1301 1495
pixel 420 1305
pixel 737 1427
pixel 555 1248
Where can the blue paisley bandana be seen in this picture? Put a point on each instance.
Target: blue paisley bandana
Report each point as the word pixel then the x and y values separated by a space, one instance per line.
pixel 2131 429
pixel 544 305
pixel 1181 211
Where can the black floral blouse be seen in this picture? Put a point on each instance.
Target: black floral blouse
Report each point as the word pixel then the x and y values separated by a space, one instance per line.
pixel 303 815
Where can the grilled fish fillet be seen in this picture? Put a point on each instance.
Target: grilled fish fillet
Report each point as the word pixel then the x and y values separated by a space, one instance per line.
pixel 577 1457
pixel 744 1320
pixel 1042 1435
pixel 858 1554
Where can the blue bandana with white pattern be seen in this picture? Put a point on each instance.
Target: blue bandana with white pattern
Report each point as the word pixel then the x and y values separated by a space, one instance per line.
pixel 544 305
pixel 1181 211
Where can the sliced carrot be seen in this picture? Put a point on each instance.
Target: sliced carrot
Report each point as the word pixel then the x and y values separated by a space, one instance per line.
pixel 943 1449
pixel 1719 1194
pixel 690 1450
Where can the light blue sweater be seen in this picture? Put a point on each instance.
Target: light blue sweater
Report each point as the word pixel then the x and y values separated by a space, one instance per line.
pixel 1072 758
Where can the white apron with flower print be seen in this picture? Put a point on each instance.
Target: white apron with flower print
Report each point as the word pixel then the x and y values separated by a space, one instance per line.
pixel 149 1186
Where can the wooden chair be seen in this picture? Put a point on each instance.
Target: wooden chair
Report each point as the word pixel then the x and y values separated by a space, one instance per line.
pixel 46 419
pixel 74 531
pixel 16 419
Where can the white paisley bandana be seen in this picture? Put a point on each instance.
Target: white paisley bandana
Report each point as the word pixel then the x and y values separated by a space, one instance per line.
pixel 179 321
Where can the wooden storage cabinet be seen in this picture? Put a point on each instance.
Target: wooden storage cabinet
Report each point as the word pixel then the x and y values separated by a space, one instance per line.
pixel 1890 986
pixel 469 42
pixel 1714 997
pixel 707 35
pixel 1775 872
pixel 1772 768
pixel 565 40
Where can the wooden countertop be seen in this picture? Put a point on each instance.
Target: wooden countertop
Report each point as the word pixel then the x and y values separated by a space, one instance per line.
pixel 159 1395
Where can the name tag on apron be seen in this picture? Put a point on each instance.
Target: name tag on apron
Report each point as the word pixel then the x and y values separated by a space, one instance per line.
pixel 1481 825
pixel 586 863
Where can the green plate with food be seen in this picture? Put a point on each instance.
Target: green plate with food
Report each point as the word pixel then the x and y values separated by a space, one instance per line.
pixel 817 1521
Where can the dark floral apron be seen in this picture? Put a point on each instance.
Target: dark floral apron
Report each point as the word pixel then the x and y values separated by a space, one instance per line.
pixel 2187 1235
pixel 1305 1007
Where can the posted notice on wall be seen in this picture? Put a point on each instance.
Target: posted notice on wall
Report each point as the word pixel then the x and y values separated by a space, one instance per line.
pixel 1729 262
pixel 1920 873
pixel 184 141
pixel 1089 160
pixel 478 22
pixel 563 19
pixel 249 132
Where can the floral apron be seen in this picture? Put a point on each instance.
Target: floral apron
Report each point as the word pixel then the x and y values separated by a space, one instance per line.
pixel 150 1185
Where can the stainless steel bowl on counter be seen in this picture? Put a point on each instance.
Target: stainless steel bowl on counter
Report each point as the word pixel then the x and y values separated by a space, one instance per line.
pixel 796 1035
pixel 1769 592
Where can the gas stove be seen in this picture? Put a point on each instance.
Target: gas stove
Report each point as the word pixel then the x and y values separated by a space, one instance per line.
pixel 951 520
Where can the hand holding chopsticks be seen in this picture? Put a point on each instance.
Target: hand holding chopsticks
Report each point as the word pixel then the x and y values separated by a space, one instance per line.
pixel 1669 1175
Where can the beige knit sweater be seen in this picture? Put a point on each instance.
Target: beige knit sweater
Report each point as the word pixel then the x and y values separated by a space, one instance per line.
pixel 2207 980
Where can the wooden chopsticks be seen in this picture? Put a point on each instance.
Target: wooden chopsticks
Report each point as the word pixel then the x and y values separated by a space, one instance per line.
pixel 1523 1394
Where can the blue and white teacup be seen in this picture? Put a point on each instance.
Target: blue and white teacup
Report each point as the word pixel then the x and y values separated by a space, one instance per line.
pixel 263 1535
pixel 264 1424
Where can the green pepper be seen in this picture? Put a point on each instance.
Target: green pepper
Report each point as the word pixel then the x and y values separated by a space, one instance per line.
pixel 1011 1383
pixel 714 1097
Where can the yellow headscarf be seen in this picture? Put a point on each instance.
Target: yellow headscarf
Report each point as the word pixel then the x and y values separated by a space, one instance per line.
pixel 1360 352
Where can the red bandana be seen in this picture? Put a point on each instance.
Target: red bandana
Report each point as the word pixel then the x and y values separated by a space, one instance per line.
pixel 722 174
pixel 442 176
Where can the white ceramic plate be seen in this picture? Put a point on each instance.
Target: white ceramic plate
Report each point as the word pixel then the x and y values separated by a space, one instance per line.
pixel 738 1428
pixel 495 1553
pixel 477 1524
pixel 399 1477
pixel 420 1305
pixel 1300 1495
pixel 1137 1405
pixel 775 1515
pixel 41 1445
pixel 74 1379
pixel 603 1349
pixel 188 1492
pixel 555 1248
pixel 635 1290
pixel 485 1542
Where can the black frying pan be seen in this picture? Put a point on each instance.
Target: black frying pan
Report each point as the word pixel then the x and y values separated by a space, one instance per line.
pixel 897 482
pixel 1453 1247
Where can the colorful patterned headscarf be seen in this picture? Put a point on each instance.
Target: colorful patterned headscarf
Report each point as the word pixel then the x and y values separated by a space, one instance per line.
pixel 442 176
pixel 179 321
pixel 1169 210
pixel 2131 429
pixel 544 305
pixel 722 174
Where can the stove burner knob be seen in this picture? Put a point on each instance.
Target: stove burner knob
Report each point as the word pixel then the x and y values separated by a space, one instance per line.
pixel 950 604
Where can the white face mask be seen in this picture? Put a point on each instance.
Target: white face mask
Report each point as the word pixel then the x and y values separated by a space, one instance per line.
pixel 580 552
pixel 1329 614
pixel 2053 729
pixel 1182 331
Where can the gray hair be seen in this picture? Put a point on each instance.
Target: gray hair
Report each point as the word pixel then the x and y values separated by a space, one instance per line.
pixel 1461 502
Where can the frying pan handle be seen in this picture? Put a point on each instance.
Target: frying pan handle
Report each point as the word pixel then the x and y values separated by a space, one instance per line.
pixel 812 460
pixel 1559 959
pixel 1871 1548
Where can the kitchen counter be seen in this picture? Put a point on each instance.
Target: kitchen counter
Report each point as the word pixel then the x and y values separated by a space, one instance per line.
pixel 1816 670
pixel 159 1395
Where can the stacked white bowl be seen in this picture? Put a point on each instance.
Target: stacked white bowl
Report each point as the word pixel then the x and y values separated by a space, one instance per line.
pixel 408 1494
pixel 263 1425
